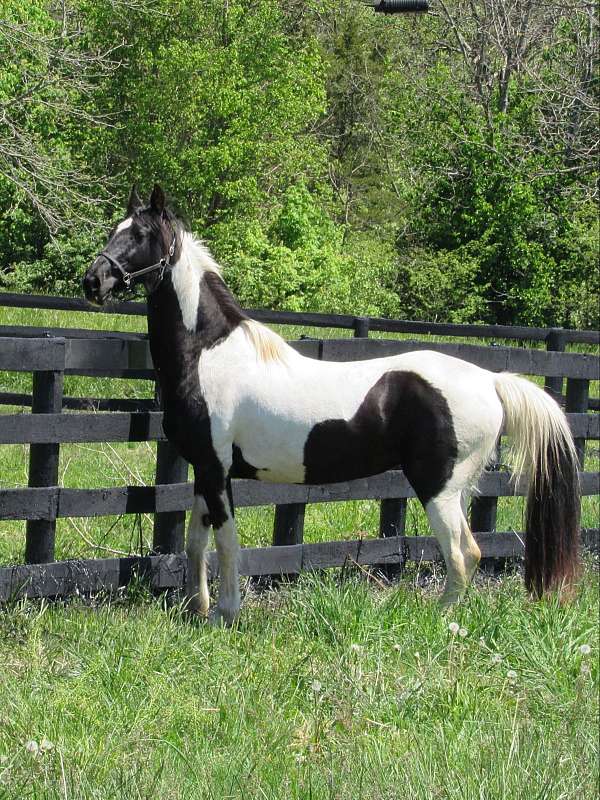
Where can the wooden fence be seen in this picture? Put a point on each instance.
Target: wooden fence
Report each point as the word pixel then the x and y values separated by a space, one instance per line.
pixel 50 354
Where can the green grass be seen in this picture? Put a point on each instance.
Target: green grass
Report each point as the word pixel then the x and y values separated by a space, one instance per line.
pixel 330 688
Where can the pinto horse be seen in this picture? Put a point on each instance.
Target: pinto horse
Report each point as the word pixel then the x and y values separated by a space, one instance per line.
pixel 239 402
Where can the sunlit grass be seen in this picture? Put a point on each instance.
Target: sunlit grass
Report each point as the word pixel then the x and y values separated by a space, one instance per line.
pixel 330 688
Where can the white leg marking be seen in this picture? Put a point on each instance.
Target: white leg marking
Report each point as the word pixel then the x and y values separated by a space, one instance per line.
pixel 458 546
pixel 197 541
pixel 228 549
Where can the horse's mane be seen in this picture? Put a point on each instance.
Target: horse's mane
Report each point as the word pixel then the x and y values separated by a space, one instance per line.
pixel 268 345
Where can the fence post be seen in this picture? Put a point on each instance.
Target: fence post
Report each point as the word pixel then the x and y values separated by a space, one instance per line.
pixel 361 327
pixel 556 341
pixel 289 524
pixel 392 522
pixel 577 401
pixel 43 466
pixel 168 535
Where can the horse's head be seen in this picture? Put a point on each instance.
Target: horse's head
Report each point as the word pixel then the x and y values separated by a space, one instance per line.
pixel 140 247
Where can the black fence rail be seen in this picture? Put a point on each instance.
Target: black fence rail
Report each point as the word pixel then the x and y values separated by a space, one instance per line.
pixel 50 354
pixel 555 339
pixel 361 325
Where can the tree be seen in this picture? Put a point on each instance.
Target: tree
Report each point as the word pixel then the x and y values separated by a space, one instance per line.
pixel 47 75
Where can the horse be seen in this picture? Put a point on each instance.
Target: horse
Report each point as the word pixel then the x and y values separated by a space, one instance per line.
pixel 238 401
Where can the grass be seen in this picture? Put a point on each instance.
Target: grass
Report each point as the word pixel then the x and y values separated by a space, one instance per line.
pixel 329 688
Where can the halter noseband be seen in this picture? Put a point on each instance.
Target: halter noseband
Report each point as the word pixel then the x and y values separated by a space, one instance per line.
pixel 129 277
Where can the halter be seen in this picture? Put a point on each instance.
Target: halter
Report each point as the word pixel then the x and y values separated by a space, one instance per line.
pixel 129 277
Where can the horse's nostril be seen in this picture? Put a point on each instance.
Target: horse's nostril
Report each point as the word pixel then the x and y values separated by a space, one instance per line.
pixel 91 284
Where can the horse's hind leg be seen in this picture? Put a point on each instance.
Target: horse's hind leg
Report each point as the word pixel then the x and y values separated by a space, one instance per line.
pixel 197 540
pixel 459 548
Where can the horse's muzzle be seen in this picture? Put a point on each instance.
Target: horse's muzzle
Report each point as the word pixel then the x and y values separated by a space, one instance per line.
pixel 98 282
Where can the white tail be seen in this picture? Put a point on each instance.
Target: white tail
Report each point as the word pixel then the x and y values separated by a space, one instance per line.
pixel 535 424
pixel 543 448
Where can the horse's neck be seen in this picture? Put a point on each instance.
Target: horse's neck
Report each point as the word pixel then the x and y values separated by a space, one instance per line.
pixel 191 310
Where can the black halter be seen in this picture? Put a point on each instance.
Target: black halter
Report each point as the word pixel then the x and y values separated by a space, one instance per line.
pixel 129 277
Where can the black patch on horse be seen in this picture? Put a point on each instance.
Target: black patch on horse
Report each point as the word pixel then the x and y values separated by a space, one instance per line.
pixel 175 353
pixel 241 468
pixel 402 422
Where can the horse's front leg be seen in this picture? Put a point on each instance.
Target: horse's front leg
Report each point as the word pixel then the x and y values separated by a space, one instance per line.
pixel 197 597
pixel 217 494
pixel 228 551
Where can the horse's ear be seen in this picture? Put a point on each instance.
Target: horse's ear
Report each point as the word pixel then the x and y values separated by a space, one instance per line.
pixel 157 199
pixel 134 201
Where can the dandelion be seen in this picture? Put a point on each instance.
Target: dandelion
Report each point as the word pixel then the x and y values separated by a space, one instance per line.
pixel 585 649
pixel 511 675
pixel 46 745
pixel 356 648
pixel 398 647
pixel 32 747
pixel 417 655
pixel 454 628
pixel 462 632
pixel 316 686
pixel 496 658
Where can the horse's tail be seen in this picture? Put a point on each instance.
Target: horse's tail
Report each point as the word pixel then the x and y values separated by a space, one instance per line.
pixel 542 447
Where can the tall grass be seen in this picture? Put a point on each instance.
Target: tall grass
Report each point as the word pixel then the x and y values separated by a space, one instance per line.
pixel 331 688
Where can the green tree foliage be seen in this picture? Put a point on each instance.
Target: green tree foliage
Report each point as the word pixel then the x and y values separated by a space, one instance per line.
pixel 440 167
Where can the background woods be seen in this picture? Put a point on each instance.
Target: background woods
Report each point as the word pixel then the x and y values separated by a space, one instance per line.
pixel 439 167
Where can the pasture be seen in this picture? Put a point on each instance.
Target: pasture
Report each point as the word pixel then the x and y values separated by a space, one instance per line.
pixel 335 686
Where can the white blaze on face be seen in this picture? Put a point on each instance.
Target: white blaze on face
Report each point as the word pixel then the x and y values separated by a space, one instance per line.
pixel 122 226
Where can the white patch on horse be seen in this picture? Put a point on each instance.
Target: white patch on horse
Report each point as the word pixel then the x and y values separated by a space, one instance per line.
pixel 122 226
pixel 186 275
pixel 270 409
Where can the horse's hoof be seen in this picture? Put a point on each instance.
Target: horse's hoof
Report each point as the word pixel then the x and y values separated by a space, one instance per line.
pixel 194 608
pixel 223 618
pixel 448 600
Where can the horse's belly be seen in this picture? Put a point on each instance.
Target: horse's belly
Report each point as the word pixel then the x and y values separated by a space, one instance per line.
pixel 272 459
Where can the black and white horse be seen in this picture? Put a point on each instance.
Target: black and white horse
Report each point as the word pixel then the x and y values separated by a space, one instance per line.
pixel 239 402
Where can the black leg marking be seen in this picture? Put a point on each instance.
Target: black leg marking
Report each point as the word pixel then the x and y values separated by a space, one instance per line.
pixel 210 483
